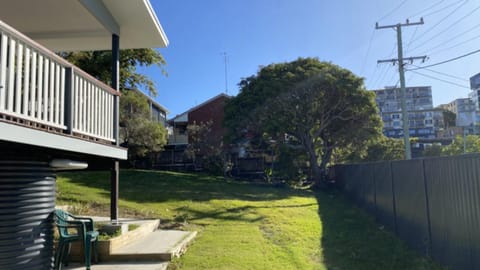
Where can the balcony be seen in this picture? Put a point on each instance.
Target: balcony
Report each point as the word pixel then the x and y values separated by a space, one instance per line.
pixel 46 101
pixel 177 139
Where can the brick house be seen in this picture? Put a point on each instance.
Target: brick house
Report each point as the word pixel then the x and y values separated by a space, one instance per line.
pixel 212 111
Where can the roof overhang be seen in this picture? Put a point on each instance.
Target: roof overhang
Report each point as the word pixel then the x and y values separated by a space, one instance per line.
pixel 82 25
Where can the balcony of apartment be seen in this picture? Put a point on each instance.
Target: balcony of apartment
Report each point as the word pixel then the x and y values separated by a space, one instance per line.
pixel 175 139
pixel 48 102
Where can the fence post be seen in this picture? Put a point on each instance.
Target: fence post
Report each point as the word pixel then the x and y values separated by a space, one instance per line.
pixel 427 205
pixel 393 198
pixel 374 191
pixel 69 106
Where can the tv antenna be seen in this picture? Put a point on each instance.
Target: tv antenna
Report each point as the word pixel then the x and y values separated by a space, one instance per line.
pixel 225 62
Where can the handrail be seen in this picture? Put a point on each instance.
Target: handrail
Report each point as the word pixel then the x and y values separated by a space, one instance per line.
pixel 39 47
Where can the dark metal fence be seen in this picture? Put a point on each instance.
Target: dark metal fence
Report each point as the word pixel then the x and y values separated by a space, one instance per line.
pixel 432 204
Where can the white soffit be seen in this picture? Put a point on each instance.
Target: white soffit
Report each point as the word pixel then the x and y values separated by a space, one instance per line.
pixel 74 25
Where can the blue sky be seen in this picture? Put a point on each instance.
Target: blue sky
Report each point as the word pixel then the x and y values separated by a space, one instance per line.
pixel 256 33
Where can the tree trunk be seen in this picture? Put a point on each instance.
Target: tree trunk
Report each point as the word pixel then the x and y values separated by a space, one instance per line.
pixel 316 173
pixel 320 170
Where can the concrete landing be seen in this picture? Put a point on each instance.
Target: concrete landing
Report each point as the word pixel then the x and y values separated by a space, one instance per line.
pixel 145 247
pixel 120 266
pixel 161 245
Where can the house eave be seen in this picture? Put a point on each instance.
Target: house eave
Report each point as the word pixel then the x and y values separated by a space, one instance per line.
pixel 86 25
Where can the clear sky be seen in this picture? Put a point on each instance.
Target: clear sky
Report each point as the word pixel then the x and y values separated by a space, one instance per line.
pixel 256 33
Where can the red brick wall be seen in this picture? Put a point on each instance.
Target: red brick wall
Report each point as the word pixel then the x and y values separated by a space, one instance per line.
pixel 212 110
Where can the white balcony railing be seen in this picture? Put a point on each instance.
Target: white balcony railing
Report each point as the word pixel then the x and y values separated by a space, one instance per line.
pixel 42 89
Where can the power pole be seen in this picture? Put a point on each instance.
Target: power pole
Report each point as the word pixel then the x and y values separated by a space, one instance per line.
pixel 401 71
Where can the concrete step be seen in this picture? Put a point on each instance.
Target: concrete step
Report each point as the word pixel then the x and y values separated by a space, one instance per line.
pixel 120 266
pixel 144 244
pixel 160 245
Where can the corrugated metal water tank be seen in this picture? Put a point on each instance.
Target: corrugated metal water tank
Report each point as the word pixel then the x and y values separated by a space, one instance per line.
pixel 27 200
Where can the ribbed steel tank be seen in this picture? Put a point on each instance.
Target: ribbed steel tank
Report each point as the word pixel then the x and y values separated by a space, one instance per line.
pixel 27 200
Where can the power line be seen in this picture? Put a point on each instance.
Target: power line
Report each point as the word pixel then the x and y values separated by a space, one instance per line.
pixel 392 78
pixel 452 38
pixel 411 38
pixel 392 11
pixel 449 27
pixel 430 7
pixel 444 8
pixel 368 51
pixel 445 74
pixel 435 78
pixel 381 75
pixel 446 61
pixel 456 45
pixel 385 82
pixel 443 19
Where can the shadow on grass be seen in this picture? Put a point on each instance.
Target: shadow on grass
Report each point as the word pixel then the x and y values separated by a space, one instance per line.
pixel 172 186
pixel 243 213
pixel 352 240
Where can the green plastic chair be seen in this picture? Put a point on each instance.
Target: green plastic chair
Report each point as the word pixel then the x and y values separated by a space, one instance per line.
pixel 73 229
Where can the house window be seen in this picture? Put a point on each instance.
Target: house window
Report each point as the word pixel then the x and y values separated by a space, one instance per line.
pixel 395 116
pixel 428 122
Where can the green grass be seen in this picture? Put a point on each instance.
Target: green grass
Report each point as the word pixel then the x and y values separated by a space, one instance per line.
pixel 245 225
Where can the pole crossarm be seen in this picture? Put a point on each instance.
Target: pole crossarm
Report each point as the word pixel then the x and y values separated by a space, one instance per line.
pixel 408 23
pixel 405 59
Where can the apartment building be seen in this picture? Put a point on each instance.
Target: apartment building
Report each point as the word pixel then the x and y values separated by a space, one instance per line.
pixel 424 120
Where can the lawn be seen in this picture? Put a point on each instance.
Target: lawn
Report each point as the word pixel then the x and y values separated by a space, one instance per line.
pixel 246 226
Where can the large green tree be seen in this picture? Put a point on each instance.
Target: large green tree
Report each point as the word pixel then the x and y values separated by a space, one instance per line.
pixel 321 105
pixel 137 130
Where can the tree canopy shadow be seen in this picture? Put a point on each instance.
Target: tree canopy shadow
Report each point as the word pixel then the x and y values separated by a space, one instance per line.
pixel 157 186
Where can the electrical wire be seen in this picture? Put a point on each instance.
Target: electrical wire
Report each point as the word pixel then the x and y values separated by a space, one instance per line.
pixel 443 19
pixel 411 38
pixel 449 27
pixel 385 81
pixel 393 77
pixel 446 61
pixel 445 74
pixel 452 39
pixel 426 9
pixel 435 78
pixel 444 8
pixel 384 75
pixel 368 51
pixel 392 11
pixel 456 45
pixel 381 75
